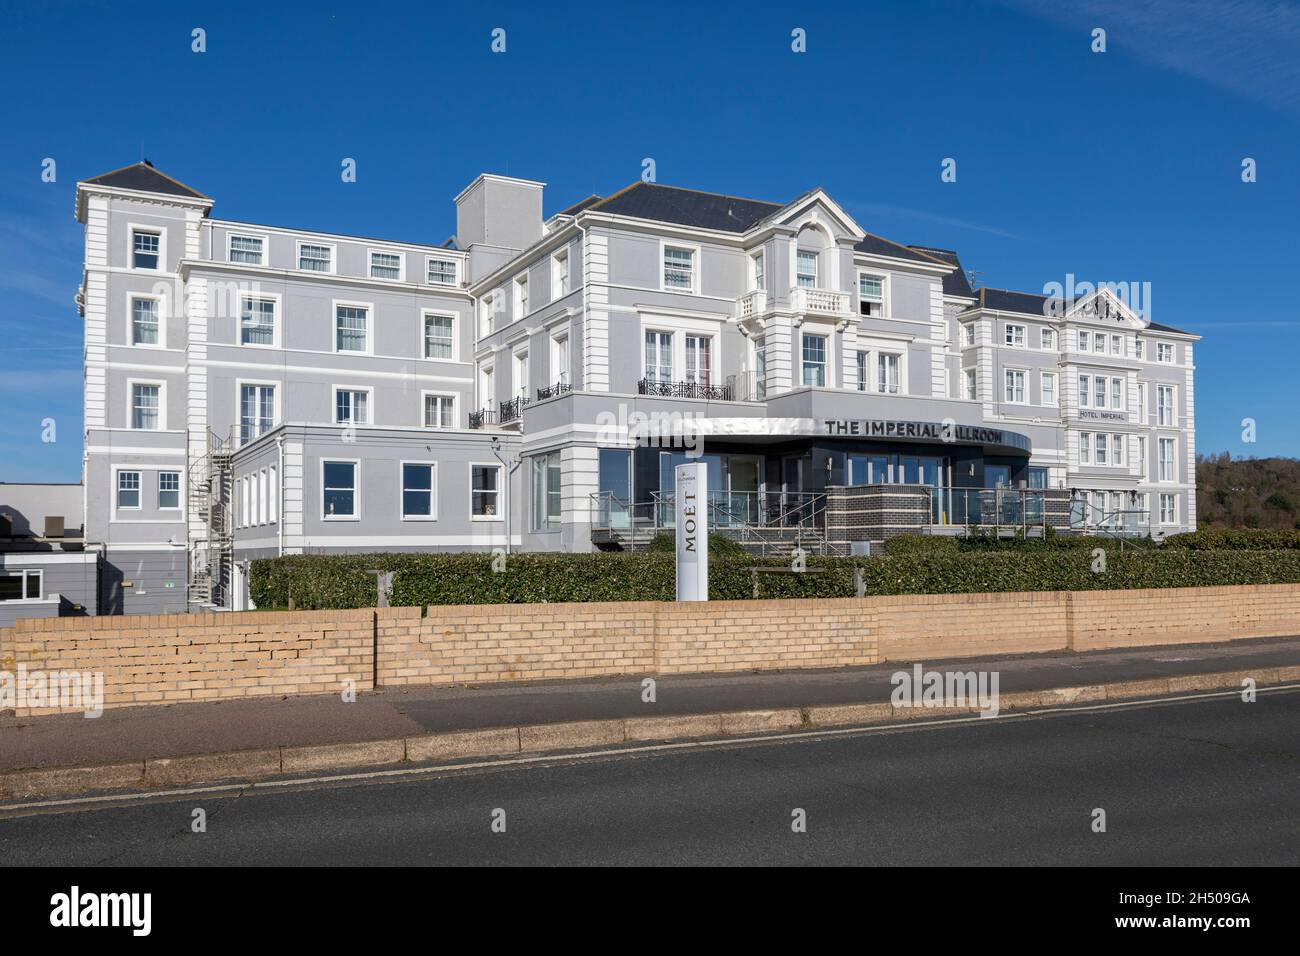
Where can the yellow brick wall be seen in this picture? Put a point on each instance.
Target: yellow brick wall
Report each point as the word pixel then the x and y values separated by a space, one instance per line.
pixel 921 627
pixel 1157 616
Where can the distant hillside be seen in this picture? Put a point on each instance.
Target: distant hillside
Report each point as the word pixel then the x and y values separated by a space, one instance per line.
pixel 1247 492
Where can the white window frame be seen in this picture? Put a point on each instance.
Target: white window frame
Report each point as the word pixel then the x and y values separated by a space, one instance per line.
pixel 425 315
pixel 371 252
pixel 1047 339
pixel 180 488
pixel 694 250
pixel 1043 378
pixel 500 490
pixel 1098 343
pixel 240 384
pixel 816 257
pixel 1009 335
pixel 488 309
pixel 1117 344
pixel 334 257
pixel 884 291
pixel 1166 347
pixel 356 488
pixel 368 391
pixel 545 526
pixel 521 373
pixel 455 272
pixel 273 494
pixel 161 300
pixel 272 297
pixel 337 304
pixel 1084 340
pixel 521 303
pixel 427 394
pixel 131 383
pixel 160 232
pixel 433 490
pixel 1160 461
pixel 1119 453
pixel 828 378
pixel 1085 448
pixel 1162 387
pixel 118 472
pixel 969 335
pixel 25 574
pixel 561 273
pixel 970 377
pixel 262 256
pixel 1172 497
pixel 560 365
pixel 1140 396
pixel 1008 389
pixel 1143 462
pixel 758 270
pixel 900 358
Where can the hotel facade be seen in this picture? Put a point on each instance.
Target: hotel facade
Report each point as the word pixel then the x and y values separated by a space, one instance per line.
pixel 255 390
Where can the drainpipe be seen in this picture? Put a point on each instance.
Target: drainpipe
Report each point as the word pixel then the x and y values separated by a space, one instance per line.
pixel 509 467
pixel 279 492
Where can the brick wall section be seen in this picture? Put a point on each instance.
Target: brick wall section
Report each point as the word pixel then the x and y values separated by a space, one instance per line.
pixel 1156 616
pixel 163 659
pixel 924 627
pixel 513 642
pixel 765 635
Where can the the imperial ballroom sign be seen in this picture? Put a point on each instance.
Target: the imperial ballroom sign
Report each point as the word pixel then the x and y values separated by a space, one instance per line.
pixel 933 431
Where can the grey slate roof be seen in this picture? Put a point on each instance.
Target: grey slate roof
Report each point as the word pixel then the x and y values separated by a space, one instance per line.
pixel 686 207
pixel 142 177
pixel 955 282
pixel 1004 300
pixel 578 207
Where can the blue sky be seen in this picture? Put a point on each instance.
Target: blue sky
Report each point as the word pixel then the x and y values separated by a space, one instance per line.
pixel 1119 166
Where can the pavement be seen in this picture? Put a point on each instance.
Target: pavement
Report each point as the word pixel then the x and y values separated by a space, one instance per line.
pixel 134 734
pixel 1200 782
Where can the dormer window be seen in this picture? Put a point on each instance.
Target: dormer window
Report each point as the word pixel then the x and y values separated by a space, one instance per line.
pixel 806 270
pixel 871 294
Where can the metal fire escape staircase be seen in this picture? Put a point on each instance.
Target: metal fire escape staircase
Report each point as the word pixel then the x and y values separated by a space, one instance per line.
pixel 211 501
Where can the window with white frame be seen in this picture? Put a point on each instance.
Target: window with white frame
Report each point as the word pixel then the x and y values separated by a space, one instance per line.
pixel 1117 449
pixel 1099 342
pixel 245 501
pixel 758 355
pixel 338 489
pixel 146 249
pixel 658 356
pixel 351 328
pixel 1100 457
pixel 1085 393
pixel 968 334
pixel 864 374
pixel 887 377
pixel 1084 340
pixel 128 490
pixel 247 250
pixel 560 275
pixel 1117 345
pixel 1099 391
pixel 442 271
pixel 521 376
pixel 256 411
pixel 1117 393
pixel 315 258
pixel 1166 412
pixel 1015 381
pixel 805 269
pixel 351 406
pixel 273 494
pixel 1139 349
pixel 1085 448
pixel 698 360
pixel 1142 464
pixel 758 271
pixel 560 358
pixel 679 268
pixel 146 411
pixel 21 585
pixel 169 490
pixel 439 411
pixel 1142 507
pixel 419 499
pixel 1047 387
pixel 970 385
pixel 1168 509
pixel 485 491
pixel 385 265
pixel 439 336
pixel 1047 339
pixel 146 322
pixel 814 360
pixel 1015 335
pixel 1165 352
pixel 521 296
pixel 487 311
pixel 261 496
pixel 547 499
pixel 1141 398
pixel 256 320
pixel 1166 451
pixel 871 294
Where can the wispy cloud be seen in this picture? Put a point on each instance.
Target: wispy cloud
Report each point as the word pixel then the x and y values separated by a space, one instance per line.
pixel 1251 47
pixel 863 209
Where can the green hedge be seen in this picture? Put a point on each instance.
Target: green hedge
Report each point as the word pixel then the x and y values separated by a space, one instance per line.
pixel 1235 539
pixel 339 581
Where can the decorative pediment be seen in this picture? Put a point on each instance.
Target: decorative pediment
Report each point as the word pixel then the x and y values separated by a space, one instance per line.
pixel 1103 305
pixel 816 208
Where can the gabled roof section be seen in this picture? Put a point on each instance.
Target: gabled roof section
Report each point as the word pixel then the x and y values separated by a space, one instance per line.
pixel 143 177
pixel 955 282
pixel 686 207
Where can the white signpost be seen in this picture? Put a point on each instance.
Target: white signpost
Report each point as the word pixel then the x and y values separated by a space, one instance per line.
pixel 692 532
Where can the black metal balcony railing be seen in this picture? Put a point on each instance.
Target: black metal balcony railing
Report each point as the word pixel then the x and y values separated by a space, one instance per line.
pixel 512 410
pixel 551 391
pixel 717 393
pixel 486 416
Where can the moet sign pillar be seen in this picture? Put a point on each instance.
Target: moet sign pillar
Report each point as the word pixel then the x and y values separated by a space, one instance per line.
pixel 692 532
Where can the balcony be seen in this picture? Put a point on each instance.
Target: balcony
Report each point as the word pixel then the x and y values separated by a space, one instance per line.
pixel 820 301
pixel 716 393
pixel 482 418
pixel 553 391
pixel 751 304
pixel 512 410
